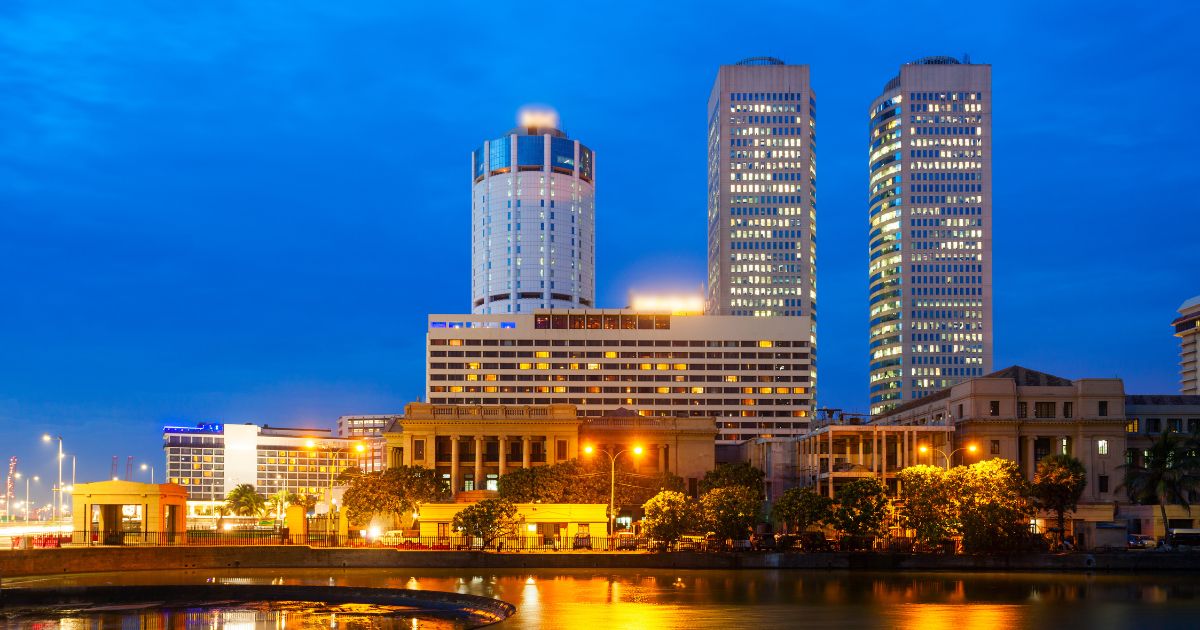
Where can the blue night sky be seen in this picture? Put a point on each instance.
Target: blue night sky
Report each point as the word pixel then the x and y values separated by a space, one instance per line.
pixel 243 211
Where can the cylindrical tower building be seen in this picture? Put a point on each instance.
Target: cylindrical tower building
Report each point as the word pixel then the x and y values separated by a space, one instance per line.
pixel 533 242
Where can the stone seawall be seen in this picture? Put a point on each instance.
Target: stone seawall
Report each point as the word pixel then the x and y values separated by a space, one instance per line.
pixel 95 559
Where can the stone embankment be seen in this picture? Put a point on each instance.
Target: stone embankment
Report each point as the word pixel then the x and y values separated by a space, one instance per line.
pixel 95 559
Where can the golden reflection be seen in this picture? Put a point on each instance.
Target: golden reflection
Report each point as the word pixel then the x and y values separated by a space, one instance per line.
pixel 947 617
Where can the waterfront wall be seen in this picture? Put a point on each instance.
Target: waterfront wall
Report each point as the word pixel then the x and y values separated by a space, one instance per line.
pixel 94 559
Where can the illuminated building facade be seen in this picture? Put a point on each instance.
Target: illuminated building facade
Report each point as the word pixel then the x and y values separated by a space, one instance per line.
pixel 753 375
pixel 368 430
pixel 532 219
pixel 1187 328
pixel 210 460
pixel 762 193
pixel 930 232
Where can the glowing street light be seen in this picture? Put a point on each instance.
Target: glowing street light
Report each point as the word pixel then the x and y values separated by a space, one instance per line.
pixel 58 489
pixel 612 480
pixel 35 478
pixel 151 469
pixel 970 448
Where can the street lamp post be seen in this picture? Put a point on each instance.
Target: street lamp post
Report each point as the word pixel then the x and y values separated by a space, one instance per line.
pixel 35 478
pixel 58 501
pixel 612 480
pixel 970 448
pixel 151 468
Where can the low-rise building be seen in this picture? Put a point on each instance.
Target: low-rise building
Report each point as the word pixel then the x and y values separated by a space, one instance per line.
pixel 471 446
pixel 209 460
pixel 537 523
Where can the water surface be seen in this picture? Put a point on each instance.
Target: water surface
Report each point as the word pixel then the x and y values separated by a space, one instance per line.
pixel 603 599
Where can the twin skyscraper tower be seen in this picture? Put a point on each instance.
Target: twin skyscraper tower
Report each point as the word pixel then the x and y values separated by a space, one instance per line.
pixel 929 219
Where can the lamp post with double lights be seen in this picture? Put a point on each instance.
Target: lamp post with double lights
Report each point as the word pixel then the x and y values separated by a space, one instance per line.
pixel 27 479
pixel 58 489
pixel 612 480
pixel 970 448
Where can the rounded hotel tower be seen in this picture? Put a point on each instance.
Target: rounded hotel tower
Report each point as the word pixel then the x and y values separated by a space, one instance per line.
pixel 532 219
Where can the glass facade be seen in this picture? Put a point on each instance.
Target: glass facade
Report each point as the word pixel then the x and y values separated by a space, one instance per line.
pixel 929 231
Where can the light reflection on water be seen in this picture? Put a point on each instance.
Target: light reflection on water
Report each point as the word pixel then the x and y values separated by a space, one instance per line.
pixel 600 600
pixel 250 616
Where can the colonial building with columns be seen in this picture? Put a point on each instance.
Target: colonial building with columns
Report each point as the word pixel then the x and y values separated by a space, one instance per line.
pixel 471 446
pixel 1024 415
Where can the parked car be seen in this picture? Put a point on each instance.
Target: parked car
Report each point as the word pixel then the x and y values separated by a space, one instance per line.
pixel 1140 541
pixel 392 537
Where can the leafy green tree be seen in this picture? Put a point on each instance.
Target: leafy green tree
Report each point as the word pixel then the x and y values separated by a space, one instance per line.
pixel 487 520
pixel 861 508
pixel 739 475
pixel 395 492
pixel 584 481
pixel 992 504
pixel 244 501
pixel 348 474
pixel 801 508
pixel 1169 473
pixel 669 515
pixel 730 511
pixel 927 509
pixel 1057 485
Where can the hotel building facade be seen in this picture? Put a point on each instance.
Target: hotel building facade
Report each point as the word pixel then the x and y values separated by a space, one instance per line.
pixel 930 230
pixel 532 219
pixel 753 375
pixel 1187 328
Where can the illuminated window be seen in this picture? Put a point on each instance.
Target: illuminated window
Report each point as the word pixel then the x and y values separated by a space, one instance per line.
pixel 541 354
pixel 610 355
pixel 1102 447
pixel 525 366
pixel 765 344
pixel 543 366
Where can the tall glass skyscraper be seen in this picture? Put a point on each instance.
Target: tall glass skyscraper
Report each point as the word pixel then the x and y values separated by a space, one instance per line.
pixel 930 233
pixel 533 242
pixel 762 193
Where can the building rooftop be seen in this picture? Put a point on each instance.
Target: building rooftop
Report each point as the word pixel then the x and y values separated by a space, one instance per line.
pixel 1023 376
pixel 761 61
pixel 1194 302
pixel 938 60
pixel 1162 399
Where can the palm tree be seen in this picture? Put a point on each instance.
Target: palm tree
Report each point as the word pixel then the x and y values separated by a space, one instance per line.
pixel 244 501
pixel 1057 486
pixel 1169 473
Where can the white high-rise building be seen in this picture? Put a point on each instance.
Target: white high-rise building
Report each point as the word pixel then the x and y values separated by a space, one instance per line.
pixel 762 193
pixel 930 232
pixel 532 219
pixel 1187 328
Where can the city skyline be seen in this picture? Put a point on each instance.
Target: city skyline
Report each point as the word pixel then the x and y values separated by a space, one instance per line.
pixel 226 307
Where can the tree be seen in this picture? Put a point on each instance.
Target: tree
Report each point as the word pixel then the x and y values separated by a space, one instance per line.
pixel 1057 485
pixel 244 501
pixel 487 520
pixel 801 508
pixel 584 482
pixel 308 501
pixel 992 505
pixel 669 515
pixel 739 475
pixel 277 503
pixel 730 511
pixel 1167 474
pixel 927 510
pixel 861 508
pixel 395 493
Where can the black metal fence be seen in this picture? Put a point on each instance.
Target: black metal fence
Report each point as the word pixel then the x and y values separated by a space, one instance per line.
pixel 808 542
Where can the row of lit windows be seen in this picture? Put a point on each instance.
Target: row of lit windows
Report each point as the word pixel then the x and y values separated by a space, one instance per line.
pixel 562 389
pixel 659 343
pixel 710 407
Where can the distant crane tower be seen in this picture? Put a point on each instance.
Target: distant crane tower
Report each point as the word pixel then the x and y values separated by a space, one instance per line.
pixel 129 468
pixel 8 487
pixel 114 468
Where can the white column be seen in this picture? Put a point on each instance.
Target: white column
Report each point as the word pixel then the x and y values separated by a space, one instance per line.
pixel 454 484
pixel 525 439
pixel 503 453
pixel 479 484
